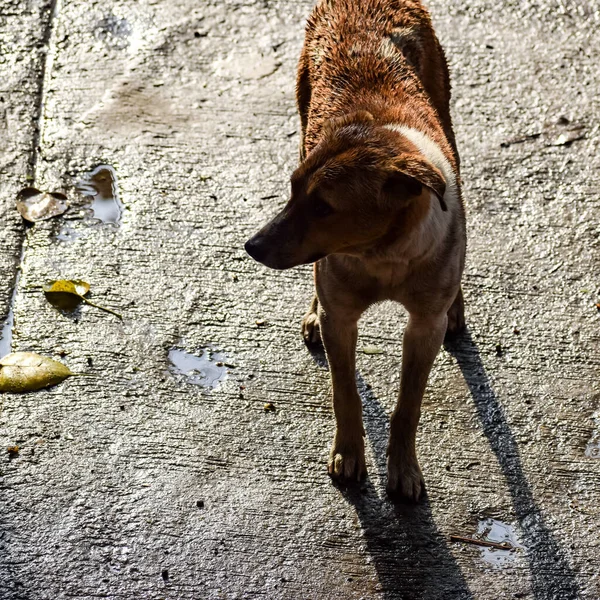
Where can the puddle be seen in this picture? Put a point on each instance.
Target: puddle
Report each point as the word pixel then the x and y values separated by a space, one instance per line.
pixel 207 370
pixel 592 449
pixel 6 333
pixel 6 328
pixel 114 31
pixel 492 530
pixel 101 185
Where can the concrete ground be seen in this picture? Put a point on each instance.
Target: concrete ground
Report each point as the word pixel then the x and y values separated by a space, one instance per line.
pixel 142 482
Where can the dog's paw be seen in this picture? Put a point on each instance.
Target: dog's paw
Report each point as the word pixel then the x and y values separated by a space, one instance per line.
pixel 347 460
pixel 405 480
pixel 311 330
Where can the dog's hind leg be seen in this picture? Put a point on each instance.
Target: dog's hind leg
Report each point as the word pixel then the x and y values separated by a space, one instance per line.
pixel 422 340
pixel 311 330
pixel 456 316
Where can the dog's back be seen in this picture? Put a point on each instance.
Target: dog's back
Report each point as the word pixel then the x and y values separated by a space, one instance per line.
pixel 378 55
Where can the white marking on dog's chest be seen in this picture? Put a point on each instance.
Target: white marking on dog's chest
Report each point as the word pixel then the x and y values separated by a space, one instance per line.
pixel 433 153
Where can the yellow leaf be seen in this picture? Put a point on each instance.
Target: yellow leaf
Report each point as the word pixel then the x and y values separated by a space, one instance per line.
pixel 27 372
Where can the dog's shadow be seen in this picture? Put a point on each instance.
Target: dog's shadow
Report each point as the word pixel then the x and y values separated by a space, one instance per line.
pixel 551 575
pixel 411 557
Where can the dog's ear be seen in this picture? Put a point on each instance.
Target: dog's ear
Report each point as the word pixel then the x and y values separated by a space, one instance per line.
pixel 409 174
pixel 399 185
pixel 359 116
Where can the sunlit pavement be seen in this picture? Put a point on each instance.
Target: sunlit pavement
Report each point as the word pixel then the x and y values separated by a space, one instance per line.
pixel 163 474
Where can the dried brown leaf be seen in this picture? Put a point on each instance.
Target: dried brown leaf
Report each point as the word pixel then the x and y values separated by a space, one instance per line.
pixel 35 205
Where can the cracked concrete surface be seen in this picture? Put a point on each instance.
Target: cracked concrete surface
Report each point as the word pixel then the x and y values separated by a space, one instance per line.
pixel 139 483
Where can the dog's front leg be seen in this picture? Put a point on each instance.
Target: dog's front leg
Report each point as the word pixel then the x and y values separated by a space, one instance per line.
pixel 339 332
pixel 422 340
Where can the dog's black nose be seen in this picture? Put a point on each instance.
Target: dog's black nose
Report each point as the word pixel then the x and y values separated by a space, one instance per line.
pixel 256 248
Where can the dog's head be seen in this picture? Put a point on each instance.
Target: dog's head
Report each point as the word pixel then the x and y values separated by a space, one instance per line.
pixel 362 187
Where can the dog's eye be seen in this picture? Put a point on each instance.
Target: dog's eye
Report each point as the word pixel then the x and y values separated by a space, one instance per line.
pixel 321 209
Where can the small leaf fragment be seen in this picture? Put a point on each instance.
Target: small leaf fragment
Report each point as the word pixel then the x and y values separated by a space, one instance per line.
pixel 371 350
pixel 26 372
pixel 269 407
pixel 35 205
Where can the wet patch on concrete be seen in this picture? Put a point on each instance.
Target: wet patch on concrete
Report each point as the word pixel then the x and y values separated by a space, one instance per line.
pixel 206 368
pixel 114 31
pixel 592 449
pixel 67 234
pixel 6 331
pixel 101 184
pixel 7 326
pixel 492 530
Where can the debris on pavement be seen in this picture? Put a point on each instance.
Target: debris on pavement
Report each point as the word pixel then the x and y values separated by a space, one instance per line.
pixel 481 542
pixel 521 139
pixel 13 451
pixel 68 294
pixel 567 138
pixel 27 372
pixel 372 350
pixel 569 133
pixel 34 205
pixel 269 407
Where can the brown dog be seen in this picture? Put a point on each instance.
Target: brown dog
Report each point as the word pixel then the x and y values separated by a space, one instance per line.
pixel 376 205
